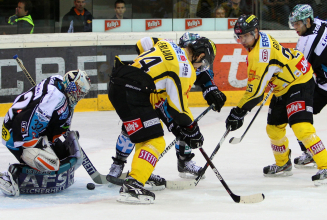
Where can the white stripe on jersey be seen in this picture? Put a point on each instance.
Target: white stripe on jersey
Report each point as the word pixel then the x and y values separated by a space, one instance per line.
pixel 172 91
pixel 146 43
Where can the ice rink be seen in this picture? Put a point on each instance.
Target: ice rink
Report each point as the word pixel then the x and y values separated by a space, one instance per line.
pixel 240 165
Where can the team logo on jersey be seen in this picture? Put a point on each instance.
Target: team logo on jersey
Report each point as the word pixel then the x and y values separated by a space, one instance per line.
pixel 150 24
pixel 264 55
pixel 303 65
pixel 182 58
pixel 295 107
pixel 111 24
pixel 192 23
pixel 152 122
pixel 317 148
pixel 253 76
pixel 264 42
pixel 147 156
pixel 185 70
pixel 24 127
pixel 133 126
pixel 278 149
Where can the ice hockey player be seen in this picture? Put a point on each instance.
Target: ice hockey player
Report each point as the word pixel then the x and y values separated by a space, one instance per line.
pixel 290 74
pixel 312 32
pixel 186 167
pixel 31 131
pixel 166 71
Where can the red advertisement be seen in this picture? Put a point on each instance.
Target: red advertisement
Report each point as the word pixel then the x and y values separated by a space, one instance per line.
pixel 111 24
pixel 192 23
pixel 150 24
pixel 231 22
pixel 230 67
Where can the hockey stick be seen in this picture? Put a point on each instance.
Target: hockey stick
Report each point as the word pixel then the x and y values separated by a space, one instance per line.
pixel 90 169
pixel 196 120
pixel 235 140
pixel 259 197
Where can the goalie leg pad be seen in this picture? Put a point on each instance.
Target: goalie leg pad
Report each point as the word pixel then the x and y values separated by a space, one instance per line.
pixel 74 147
pixel 40 159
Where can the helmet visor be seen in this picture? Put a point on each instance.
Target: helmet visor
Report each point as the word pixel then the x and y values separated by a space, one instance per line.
pixel 205 65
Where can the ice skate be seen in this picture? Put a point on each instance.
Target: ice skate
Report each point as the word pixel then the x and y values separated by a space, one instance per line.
pixel 133 192
pixel 8 185
pixel 187 168
pixel 279 171
pixel 320 178
pixel 305 161
pixel 116 168
pixel 155 183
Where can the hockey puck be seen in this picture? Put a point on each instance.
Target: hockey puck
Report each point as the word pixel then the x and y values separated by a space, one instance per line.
pixel 90 186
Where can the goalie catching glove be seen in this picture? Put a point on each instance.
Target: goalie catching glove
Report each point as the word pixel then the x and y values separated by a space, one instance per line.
pixel 235 118
pixel 190 134
pixel 214 96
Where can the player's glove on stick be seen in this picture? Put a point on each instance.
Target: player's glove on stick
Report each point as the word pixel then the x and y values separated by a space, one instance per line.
pixel 213 96
pixel 191 135
pixel 235 118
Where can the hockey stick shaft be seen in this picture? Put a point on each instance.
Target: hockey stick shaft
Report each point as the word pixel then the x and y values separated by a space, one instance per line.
pixel 234 140
pixel 238 199
pixel 87 164
pixel 174 142
pixel 28 76
pixel 205 167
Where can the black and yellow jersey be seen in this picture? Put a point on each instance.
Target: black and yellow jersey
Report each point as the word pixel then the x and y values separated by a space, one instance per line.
pixel 146 43
pixel 173 75
pixel 270 64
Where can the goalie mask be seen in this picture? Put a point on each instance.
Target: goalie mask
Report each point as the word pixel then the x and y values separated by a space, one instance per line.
pixel 77 85
pixel 206 46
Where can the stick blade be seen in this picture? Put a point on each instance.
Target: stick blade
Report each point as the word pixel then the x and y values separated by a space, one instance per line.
pixel 180 185
pixel 255 198
pixel 235 140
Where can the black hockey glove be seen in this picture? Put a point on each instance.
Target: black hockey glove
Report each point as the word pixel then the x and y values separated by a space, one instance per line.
pixel 213 96
pixel 191 135
pixel 235 118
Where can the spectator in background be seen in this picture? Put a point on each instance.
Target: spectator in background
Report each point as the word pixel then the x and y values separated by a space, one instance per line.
pixel 232 8
pixel 275 9
pixel 158 9
pixel 205 8
pixel 120 10
pixel 220 12
pixel 182 9
pixel 78 19
pixel 22 18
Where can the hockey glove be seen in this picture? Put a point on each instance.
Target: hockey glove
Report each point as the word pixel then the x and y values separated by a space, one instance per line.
pixel 213 96
pixel 235 118
pixel 191 135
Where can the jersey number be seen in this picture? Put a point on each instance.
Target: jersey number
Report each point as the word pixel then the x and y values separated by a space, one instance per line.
pixel 148 62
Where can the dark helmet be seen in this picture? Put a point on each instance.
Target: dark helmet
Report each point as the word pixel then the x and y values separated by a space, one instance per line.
pixel 206 46
pixel 246 24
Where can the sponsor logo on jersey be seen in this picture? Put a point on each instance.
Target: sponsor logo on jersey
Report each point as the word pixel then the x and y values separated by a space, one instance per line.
pixel 253 76
pixel 264 55
pixel 111 24
pixel 297 73
pixel 192 23
pixel 231 22
pixel 324 40
pixel 43 116
pixel 5 133
pixel 185 70
pixel 264 42
pixel 182 58
pixel 271 85
pixel 151 122
pixel 295 107
pixel 65 114
pixel 147 156
pixel 177 49
pixel 63 108
pixel 278 149
pixel 150 24
pixel 315 31
pixel 317 148
pixel 303 65
pixel 133 126
pixel 61 103
pixel 24 127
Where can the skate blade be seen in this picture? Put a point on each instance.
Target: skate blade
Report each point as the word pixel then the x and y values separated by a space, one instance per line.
pixel 140 200
pixel 280 174
pixel 189 176
pixel 306 166
pixel 320 182
pixel 152 187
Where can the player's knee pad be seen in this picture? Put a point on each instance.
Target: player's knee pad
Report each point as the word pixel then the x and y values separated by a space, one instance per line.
pixel 124 146
pixel 276 132
pixel 43 159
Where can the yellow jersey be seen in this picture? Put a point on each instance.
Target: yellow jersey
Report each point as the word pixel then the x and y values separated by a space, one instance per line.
pixel 270 64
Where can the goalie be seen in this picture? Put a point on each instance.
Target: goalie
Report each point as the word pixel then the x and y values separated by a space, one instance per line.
pixel 31 131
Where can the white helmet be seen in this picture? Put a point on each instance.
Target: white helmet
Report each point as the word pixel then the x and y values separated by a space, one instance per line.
pixel 77 85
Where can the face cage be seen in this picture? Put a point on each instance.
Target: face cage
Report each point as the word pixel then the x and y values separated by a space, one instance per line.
pixel 74 93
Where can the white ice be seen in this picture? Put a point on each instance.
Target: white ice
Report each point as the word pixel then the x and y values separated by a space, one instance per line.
pixel 240 165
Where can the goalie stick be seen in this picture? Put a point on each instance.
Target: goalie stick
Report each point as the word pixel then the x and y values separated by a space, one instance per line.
pixel 255 198
pixel 235 140
pixel 90 169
